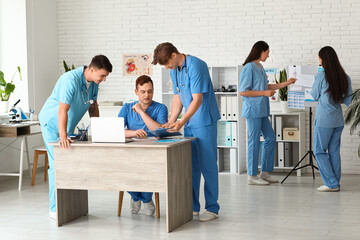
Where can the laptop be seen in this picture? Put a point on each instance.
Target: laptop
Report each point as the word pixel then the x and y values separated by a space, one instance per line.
pixel 108 130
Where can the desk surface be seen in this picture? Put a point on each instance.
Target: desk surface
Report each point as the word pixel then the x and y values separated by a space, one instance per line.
pixel 13 130
pixel 134 144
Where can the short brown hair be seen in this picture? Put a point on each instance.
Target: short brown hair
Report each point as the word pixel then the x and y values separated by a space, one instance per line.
pixel 163 52
pixel 101 62
pixel 142 80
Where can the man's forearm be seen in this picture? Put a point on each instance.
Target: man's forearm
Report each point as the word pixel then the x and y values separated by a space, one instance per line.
pixel 176 109
pixel 193 107
pixel 63 117
pixel 150 123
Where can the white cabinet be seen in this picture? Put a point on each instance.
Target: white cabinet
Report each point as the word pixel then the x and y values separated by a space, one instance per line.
pixel 231 127
pixel 288 152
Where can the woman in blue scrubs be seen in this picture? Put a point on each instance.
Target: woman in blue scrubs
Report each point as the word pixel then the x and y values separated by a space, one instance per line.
pixel 140 117
pixel 74 94
pixel 193 89
pixel 255 90
pixel 331 88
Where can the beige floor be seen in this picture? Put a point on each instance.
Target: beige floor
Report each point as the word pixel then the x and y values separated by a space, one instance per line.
pixel 294 210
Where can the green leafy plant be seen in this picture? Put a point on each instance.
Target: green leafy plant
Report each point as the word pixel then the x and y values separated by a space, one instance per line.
pixel 352 114
pixel 282 91
pixel 6 88
pixel 67 68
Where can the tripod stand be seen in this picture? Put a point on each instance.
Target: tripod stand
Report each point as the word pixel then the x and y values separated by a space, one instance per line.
pixel 309 152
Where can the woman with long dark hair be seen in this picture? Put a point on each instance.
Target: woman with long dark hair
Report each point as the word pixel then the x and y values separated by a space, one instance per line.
pixel 255 90
pixel 331 88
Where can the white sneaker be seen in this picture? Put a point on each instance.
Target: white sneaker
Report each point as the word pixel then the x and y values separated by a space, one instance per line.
pixel 258 181
pixel 324 188
pixel 149 208
pixel 208 216
pixel 195 213
pixel 135 206
pixel 52 215
pixel 270 179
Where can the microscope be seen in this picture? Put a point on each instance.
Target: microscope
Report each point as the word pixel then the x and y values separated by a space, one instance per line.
pixel 17 115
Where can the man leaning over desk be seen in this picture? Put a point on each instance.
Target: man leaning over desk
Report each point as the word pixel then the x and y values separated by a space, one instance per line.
pixel 139 117
pixel 74 94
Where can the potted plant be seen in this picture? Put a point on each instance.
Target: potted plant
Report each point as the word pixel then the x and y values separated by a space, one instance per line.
pixel 283 92
pixel 6 88
pixel 67 68
pixel 352 114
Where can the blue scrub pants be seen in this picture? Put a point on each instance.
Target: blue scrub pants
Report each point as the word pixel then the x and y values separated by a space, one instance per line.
pixel 255 127
pixel 48 137
pixel 327 154
pixel 145 197
pixel 204 161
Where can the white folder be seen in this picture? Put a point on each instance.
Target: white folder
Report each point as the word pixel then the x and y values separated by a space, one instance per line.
pixel 278 126
pixel 234 133
pixel 233 161
pixel 223 107
pixel 234 108
pixel 229 108
pixel 281 156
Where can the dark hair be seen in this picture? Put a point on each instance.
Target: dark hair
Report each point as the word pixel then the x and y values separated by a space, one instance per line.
pixel 142 80
pixel 335 75
pixel 101 62
pixel 163 52
pixel 256 51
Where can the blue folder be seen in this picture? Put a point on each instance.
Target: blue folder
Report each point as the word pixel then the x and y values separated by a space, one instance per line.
pixel 161 132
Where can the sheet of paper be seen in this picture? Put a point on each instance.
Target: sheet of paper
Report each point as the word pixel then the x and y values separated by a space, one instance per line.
pixel 305 80
pixel 296 99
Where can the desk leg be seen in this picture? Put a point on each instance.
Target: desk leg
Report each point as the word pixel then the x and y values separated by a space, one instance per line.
pixel 21 162
pixel 27 155
pixel 179 187
pixel 70 205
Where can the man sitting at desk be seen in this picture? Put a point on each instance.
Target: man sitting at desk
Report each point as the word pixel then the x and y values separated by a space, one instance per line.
pixel 139 117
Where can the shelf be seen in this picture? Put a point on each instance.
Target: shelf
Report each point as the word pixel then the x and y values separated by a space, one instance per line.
pixel 281 168
pixel 225 120
pixel 167 93
pixel 293 141
pixel 226 93
pixel 234 147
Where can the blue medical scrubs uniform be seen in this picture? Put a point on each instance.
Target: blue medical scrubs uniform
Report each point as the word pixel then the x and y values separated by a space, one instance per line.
pixel 133 121
pixel 329 124
pixel 192 78
pixel 256 111
pixel 69 89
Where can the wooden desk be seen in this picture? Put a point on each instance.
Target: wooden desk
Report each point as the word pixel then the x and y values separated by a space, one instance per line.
pixel 22 131
pixel 136 166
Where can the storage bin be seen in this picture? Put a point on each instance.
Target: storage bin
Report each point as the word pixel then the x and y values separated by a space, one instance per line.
pixel 290 133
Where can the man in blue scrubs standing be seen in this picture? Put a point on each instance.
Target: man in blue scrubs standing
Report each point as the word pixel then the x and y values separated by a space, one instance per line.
pixel 74 94
pixel 140 117
pixel 193 89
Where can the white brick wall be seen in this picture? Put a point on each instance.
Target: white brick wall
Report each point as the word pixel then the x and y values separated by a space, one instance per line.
pixel 219 32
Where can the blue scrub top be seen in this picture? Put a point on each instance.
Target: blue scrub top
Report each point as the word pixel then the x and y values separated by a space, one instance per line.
pixel 133 121
pixel 254 78
pixel 69 89
pixel 194 78
pixel 328 114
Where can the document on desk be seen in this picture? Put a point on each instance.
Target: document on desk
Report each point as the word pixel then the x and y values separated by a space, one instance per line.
pixel 162 132
pixel 169 140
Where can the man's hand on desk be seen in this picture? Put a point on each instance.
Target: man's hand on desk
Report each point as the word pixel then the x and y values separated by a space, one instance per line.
pixel 139 134
pixel 65 143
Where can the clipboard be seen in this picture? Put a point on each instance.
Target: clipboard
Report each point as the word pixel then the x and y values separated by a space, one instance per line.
pixel 161 132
